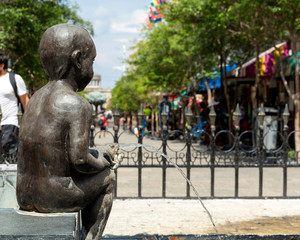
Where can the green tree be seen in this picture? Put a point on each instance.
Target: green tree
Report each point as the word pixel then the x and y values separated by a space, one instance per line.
pixel 199 36
pixel 286 15
pixel 130 92
pixel 22 24
pixel 210 23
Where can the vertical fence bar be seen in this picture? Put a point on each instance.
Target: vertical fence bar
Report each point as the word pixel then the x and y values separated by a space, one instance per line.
pixel 285 159
pixel 140 158
pixel 285 116
pixel 116 115
pixel 261 160
pixel 236 165
pixel 236 120
pixel 212 117
pixel 212 167
pixel 188 162
pixel 116 140
pixel 91 142
pixel 164 119
pixel 189 117
pixel 140 116
pixel 261 153
pixel 164 175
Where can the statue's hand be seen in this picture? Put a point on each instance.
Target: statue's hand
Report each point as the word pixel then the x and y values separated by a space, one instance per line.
pixel 113 156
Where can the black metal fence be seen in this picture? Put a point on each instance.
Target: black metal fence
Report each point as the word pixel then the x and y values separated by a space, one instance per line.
pixel 245 150
pixel 255 149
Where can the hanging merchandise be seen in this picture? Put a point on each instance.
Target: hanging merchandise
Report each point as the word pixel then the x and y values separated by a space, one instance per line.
pixel 199 98
pixel 267 62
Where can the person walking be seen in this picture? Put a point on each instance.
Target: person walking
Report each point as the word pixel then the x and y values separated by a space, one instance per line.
pixel 102 122
pixel 13 90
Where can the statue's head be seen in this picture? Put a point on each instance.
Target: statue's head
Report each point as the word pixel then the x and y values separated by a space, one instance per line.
pixel 68 51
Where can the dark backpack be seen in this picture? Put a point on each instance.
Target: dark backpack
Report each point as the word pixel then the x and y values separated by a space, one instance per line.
pixel 101 122
pixel 12 80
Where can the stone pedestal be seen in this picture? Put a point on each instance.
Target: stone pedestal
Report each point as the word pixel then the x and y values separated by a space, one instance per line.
pixel 16 224
pixel 22 225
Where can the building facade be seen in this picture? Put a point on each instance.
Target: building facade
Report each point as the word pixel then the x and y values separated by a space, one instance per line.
pixel 95 86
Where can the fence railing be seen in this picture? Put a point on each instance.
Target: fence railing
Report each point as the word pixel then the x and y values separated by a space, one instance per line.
pixel 208 151
pixel 255 149
pixel 270 153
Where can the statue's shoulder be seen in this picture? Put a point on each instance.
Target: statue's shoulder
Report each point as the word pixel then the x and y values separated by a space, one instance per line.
pixel 68 100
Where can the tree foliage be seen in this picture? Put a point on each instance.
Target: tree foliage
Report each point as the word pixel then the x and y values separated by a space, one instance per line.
pixel 130 92
pixel 22 24
pixel 199 36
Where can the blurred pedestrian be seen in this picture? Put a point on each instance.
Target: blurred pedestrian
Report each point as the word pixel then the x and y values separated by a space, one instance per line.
pixel 102 122
pixel 13 90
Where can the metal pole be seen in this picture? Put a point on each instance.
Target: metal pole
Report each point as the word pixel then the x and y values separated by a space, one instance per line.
pixel 116 140
pixel 188 160
pixel 164 119
pixel 116 130
pixel 285 159
pixel 236 120
pixel 261 152
pixel 261 160
pixel 140 116
pixel 212 166
pixel 212 117
pixel 116 115
pixel 236 191
pixel 285 116
pixel 92 143
pixel 140 158
pixel 164 170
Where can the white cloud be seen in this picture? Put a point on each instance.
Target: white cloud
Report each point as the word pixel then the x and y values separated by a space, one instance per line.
pixel 101 12
pixel 139 16
pixel 123 28
pixel 99 26
pixel 122 40
pixel 132 24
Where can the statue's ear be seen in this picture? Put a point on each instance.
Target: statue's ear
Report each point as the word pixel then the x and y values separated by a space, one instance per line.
pixel 77 58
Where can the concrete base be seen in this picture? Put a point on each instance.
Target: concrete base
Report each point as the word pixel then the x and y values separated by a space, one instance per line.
pixel 16 224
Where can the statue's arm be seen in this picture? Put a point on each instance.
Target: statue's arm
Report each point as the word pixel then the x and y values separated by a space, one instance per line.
pixel 78 143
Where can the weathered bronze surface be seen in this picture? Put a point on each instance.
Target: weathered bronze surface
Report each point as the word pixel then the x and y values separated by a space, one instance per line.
pixel 56 172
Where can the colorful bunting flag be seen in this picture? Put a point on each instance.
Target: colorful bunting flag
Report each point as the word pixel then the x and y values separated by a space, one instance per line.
pixel 155 15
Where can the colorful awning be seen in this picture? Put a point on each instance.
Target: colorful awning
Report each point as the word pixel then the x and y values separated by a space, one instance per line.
pixel 215 81
pixel 267 62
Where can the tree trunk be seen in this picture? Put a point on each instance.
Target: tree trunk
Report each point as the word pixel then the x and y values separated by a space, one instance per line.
pixel 297 92
pixel 225 85
pixel 297 123
pixel 257 80
pixel 152 122
pixel 157 124
pixel 209 95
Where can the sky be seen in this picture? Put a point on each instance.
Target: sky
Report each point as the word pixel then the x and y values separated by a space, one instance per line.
pixel 117 25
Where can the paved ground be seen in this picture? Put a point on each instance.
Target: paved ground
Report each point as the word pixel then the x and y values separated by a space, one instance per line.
pixel 188 217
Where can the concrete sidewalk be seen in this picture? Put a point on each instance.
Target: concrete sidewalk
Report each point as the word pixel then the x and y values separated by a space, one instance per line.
pixel 188 217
